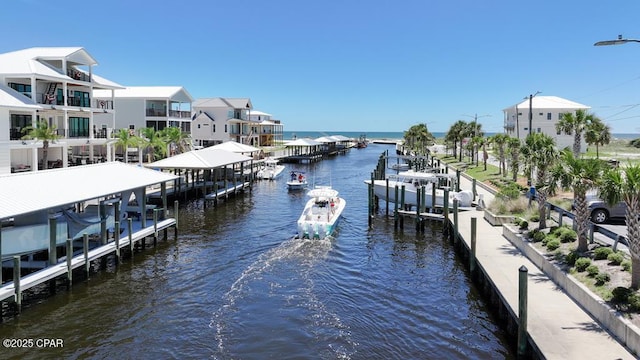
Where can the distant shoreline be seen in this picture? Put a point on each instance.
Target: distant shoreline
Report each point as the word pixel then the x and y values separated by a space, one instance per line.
pixel 398 135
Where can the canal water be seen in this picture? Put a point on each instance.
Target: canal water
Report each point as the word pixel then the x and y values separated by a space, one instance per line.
pixel 236 285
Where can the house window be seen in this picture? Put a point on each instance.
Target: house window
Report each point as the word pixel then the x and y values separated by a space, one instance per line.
pixel 539 130
pixel 519 114
pixel 560 116
pixel 225 127
pixel 21 88
pixel 540 114
pixel 18 122
pixel 548 116
pixel 214 127
pixel 78 127
pixel 198 126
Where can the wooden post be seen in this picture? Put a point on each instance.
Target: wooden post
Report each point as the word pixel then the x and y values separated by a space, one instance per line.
pixel 472 256
pixel 473 188
pixel 395 209
pixel 0 257
pixel 433 197
pixel 591 230
pixel 116 238
pixel 560 216
pixel 16 283
pixel 175 214
pixel 155 227
pixel 53 255
pixel 103 222
pixel 163 192
pixel 522 311
pixel 130 234
pixel 455 222
pixel 387 199
pixel 69 258
pixel 143 210
pixel 458 180
pixel 85 250
pixel 402 206
pixel 423 205
pixel 418 200
pixel 445 202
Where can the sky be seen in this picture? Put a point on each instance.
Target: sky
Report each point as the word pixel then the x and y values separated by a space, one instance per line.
pixel 366 65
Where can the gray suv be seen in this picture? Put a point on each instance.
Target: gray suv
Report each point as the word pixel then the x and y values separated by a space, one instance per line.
pixel 602 212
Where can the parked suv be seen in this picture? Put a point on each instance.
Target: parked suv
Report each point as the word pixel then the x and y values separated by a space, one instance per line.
pixel 602 212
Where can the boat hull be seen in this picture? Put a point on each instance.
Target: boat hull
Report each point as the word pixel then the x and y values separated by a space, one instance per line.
pixel 411 194
pixel 320 222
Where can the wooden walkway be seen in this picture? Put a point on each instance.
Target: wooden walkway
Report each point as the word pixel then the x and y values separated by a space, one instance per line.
pixel 8 290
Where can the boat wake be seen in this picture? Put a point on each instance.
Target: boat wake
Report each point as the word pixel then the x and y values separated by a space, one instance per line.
pixel 276 294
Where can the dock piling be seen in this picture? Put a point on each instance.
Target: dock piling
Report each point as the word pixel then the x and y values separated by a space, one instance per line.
pixel 69 258
pixel 175 215
pixel 16 283
pixel 472 256
pixel 130 234
pixel 522 311
pixel 116 238
pixel 456 225
pixel 85 250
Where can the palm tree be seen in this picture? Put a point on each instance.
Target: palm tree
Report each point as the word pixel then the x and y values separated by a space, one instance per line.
pixel 540 150
pixel 43 132
pixel 576 125
pixel 513 145
pixel 598 133
pixel 475 130
pixel 176 138
pixel 580 175
pixel 124 139
pixel 152 140
pixel 500 140
pixel 418 137
pixel 624 185
pixel 457 132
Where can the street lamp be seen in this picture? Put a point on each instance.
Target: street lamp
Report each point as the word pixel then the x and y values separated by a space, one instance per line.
pixel 618 41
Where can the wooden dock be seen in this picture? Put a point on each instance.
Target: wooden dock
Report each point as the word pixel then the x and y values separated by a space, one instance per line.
pixel 81 258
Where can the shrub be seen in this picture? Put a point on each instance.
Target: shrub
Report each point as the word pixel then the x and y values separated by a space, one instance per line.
pixel 568 235
pixel 634 302
pixel 553 244
pixel 524 224
pixel 571 258
pixel 602 253
pixel 620 294
pixel 626 265
pixel 539 236
pixel 509 191
pixel 616 258
pixel 582 264
pixel 592 270
pixel 602 278
pixel 534 218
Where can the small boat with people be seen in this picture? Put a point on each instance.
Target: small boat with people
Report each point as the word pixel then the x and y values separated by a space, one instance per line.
pixel 271 169
pixel 413 181
pixel 321 213
pixel 297 180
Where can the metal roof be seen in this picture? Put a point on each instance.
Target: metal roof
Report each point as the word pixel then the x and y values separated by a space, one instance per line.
pixel 15 100
pixel 177 93
pixel 303 142
pixel 235 147
pixel 207 158
pixel 28 192
pixel 548 102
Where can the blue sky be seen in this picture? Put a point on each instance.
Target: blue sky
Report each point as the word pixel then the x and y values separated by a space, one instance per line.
pixel 356 65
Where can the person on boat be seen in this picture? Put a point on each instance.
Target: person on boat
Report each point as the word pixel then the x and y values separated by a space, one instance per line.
pixel 293 175
pixel 333 206
pixel 300 177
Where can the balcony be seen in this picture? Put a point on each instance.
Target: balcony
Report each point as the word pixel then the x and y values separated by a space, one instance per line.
pixel 103 104
pixel 180 114
pixel 78 75
pixel 156 112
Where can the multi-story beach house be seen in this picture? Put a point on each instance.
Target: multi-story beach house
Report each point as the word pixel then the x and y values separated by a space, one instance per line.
pixel 546 112
pixel 154 107
pixel 53 84
pixel 216 120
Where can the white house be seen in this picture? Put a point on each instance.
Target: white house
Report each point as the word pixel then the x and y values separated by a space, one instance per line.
pixel 216 120
pixel 546 112
pixel 54 84
pixel 155 107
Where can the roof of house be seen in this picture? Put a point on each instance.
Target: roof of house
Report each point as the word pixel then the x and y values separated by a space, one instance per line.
pixel 303 142
pixel 15 100
pixel 203 115
pixel 207 158
pixel 548 102
pixel 236 103
pixel 257 112
pixel 59 187
pixel 177 93
pixel 235 147
pixel 27 62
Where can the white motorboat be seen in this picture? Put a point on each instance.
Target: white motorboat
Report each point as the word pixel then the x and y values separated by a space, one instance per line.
pixel 271 170
pixel 413 181
pixel 321 213
pixel 297 180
